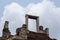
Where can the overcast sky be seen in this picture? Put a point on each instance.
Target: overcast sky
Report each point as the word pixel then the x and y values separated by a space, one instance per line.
pixel 14 11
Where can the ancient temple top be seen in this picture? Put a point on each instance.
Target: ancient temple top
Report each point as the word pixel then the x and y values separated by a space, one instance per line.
pixel 39 29
pixel 32 17
pixel 22 33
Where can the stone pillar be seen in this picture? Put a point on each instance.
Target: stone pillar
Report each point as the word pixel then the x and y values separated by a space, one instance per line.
pixel 26 21
pixel 6 32
pixel 37 24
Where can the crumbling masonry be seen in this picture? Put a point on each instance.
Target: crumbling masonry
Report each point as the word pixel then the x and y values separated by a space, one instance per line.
pixel 24 34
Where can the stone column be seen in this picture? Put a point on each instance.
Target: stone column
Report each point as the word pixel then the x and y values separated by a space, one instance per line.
pixel 37 24
pixel 26 21
pixel 6 33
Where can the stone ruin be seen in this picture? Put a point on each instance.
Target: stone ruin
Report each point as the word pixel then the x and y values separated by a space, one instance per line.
pixel 24 34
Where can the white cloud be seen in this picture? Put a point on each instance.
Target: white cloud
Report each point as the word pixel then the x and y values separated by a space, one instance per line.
pixel 14 13
pixel 49 16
